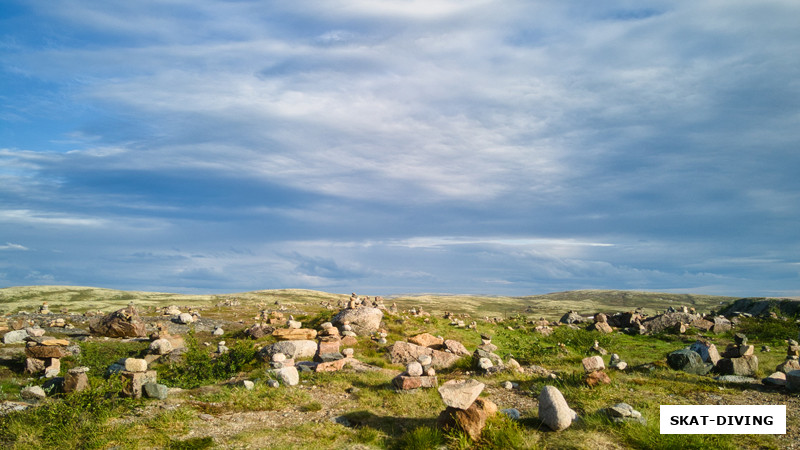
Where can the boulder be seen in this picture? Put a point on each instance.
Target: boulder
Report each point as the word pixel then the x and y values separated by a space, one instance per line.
pixel 363 320
pixel 707 351
pixel 15 337
pixel 427 340
pixel 460 394
pixel 793 381
pixel 572 317
pixel 288 375
pixel 121 323
pixel 721 325
pixel 470 420
pixel 746 366
pixel 292 349
pixel 665 322
pixel 688 361
pixel 554 410
pixel 33 393
pixel 76 380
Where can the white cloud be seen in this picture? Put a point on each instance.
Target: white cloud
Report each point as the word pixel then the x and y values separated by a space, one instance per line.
pixel 12 246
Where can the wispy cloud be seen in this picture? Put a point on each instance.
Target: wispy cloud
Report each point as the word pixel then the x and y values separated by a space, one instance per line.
pixel 12 246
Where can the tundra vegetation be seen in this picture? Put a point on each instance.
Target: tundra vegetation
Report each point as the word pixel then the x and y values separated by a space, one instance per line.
pixel 208 406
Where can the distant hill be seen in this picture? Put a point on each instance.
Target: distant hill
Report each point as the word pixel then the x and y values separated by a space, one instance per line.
pixel 551 306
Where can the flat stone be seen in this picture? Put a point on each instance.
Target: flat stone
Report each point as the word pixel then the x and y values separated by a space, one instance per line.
pixel 294 334
pixel 455 347
pixel 34 393
pixel 460 393
pixel 44 351
pixel 15 337
pixel 427 340
pixel 405 382
pixel 777 379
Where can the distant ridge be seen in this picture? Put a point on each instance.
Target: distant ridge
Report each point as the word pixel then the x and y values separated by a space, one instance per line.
pixel 552 305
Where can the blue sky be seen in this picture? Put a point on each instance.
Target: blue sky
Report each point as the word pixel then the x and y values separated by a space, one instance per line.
pixel 400 146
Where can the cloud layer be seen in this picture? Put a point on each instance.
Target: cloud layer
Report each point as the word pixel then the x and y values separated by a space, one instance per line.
pixel 395 146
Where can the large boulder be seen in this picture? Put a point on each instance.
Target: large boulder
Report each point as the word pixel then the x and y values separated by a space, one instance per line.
pixel 405 352
pixel 363 320
pixel 573 317
pixel 746 366
pixel 665 322
pixel 688 361
pixel 554 410
pixel 292 349
pixel 121 323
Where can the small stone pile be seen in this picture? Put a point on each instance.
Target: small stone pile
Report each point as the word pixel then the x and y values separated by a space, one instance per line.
pixel 484 359
pixel 44 353
pixel 284 370
pixel 601 324
pixel 44 309
pixel 791 363
pixel 708 351
pixel 418 374
pixel 135 375
pixel 738 358
pixel 329 344
pixel 595 348
pixel 122 323
pixel 617 363
pixel 624 413
pixel 594 368
pixel 465 411
pixel 164 344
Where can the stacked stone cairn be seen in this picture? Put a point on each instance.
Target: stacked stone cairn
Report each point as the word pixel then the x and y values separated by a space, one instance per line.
pixel 465 411
pixel 738 358
pixel 76 380
pixel 601 324
pixel 617 363
pixel 135 375
pixel 329 344
pixel 484 359
pixel 44 354
pixel 594 368
pixel 787 373
pixel 418 374
pixel 284 370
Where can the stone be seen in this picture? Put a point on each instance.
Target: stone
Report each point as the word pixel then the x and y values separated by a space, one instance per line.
pixel 349 341
pixel 363 320
pixel 184 318
pixel 707 351
pixel 402 352
pixel 600 318
pixel 455 347
pixel 155 390
pixel 52 368
pixel 788 366
pixel 721 325
pixel 554 410
pixel 135 365
pixel 777 379
pixel 34 365
pixel 746 366
pixel 160 347
pixel 288 375
pixel 278 357
pixel 460 393
pixel 623 412
pixel 294 334
pixel 34 331
pixel 218 331
pixel 414 369
pixel 471 420
pixel 134 381
pixel 592 364
pixel 688 361
pixel 15 337
pixel 258 331
pixel 597 377
pixel 247 384
pixel 51 341
pixel 45 351
pixel 119 324
pixel 273 383
pixel 331 346
pixel 602 327
pixel 736 379
pixel 32 393
pixel 292 349
pixel 427 340
pixel 328 357
pixel 425 360
pixel 572 317
pixel 75 381
pixel 511 413
pixel 740 339
pixel 348 352
pixel 405 382
pixel 294 324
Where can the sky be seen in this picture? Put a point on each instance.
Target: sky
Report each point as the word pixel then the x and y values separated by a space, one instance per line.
pixel 401 146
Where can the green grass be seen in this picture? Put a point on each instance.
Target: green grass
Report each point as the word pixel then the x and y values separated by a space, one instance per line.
pixel 200 367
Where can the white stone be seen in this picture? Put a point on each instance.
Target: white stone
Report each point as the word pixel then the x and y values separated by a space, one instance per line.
pixel 135 365
pixel 554 410
pixel 160 347
pixel 593 364
pixel 288 375
pixel 278 357
pixel 218 331
pixel 185 318
pixel 414 369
